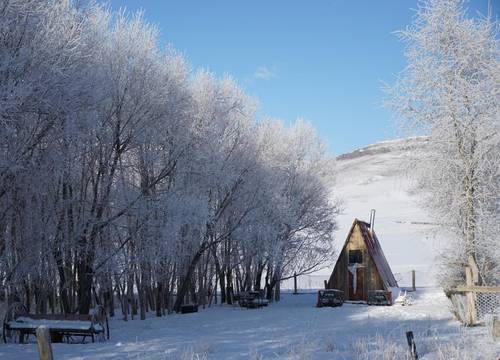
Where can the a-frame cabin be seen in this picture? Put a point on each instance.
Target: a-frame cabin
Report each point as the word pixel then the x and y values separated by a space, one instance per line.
pixel 362 268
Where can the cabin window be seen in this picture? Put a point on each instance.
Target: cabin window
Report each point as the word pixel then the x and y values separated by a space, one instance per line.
pixel 355 257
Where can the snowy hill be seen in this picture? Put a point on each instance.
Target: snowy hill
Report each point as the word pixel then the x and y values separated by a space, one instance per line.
pixel 375 177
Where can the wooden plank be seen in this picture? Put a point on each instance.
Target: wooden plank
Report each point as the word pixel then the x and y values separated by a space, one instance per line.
pixel 475 288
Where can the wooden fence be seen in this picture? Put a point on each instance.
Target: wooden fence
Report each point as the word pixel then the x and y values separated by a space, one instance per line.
pixel 474 304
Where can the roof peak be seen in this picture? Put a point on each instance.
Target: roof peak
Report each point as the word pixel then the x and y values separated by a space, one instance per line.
pixel 356 220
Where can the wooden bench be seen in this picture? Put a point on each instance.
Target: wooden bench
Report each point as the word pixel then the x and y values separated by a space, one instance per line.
pixel 18 324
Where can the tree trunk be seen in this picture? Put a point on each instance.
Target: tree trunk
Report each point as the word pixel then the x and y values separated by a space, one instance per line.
pixel 85 276
pixel 229 287
pixel 184 288
pixel 222 284
pixel 158 297
pixel 258 277
pixel 130 295
pixel 142 295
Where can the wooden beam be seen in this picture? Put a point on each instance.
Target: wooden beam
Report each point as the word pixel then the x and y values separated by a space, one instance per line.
pixel 479 289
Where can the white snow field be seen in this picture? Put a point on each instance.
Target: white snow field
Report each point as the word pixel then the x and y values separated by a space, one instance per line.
pixel 372 177
pixel 291 329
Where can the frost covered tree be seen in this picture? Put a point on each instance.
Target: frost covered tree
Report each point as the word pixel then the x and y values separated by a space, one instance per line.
pixel 126 178
pixel 450 91
pixel 301 213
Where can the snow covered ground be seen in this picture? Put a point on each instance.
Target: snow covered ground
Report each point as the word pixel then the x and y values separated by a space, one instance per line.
pixel 372 177
pixel 291 329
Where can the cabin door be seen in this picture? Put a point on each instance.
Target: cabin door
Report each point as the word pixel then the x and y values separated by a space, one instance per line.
pixel 356 285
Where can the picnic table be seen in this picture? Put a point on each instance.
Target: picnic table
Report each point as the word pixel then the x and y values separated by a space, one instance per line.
pixel 18 325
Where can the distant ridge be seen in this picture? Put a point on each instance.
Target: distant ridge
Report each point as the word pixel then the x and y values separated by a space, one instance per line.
pixel 385 147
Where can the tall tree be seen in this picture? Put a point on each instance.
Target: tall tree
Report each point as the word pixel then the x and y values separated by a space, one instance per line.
pixel 450 91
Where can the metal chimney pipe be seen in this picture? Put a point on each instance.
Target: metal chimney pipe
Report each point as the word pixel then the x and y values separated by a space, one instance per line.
pixel 372 220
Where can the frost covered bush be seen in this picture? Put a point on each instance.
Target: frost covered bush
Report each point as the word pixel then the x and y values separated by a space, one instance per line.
pixel 329 345
pixel 457 346
pixel 304 349
pixel 430 344
pixel 204 347
pixel 199 351
pixel 378 348
pixel 190 354
pixel 255 355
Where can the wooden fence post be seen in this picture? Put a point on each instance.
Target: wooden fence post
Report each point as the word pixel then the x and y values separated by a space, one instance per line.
pixel 471 298
pixel 495 328
pixel 411 345
pixel 413 287
pixel 44 344
pixel 295 283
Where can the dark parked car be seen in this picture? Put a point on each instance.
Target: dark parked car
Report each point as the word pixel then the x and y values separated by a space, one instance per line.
pixel 251 299
pixel 330 297
pixel 379 297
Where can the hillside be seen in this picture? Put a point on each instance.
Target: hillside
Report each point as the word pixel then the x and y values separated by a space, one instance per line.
pixel 375 177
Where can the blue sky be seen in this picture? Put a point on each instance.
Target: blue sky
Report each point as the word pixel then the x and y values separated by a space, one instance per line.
pixel 323 61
